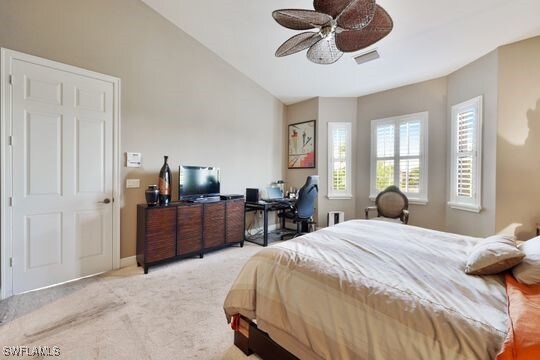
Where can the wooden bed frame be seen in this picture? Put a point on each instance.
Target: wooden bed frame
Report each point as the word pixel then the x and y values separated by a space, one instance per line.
pixel 251 340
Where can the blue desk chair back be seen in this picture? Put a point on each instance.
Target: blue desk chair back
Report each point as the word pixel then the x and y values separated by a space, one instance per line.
pixel 302 211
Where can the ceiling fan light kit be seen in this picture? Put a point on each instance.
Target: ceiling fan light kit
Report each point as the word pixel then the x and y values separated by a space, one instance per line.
pixel 338 26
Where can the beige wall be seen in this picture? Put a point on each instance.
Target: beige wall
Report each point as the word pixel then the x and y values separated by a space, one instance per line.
pixel 178 98
pixel 518 138
pixel 303 111
pixel 334 110
pixel 425 96
pixel 323 110
pixel 477 78
pixel 509 81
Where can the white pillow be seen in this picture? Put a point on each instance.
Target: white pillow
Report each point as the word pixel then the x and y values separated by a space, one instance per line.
pixel 528 271
pixel 493 255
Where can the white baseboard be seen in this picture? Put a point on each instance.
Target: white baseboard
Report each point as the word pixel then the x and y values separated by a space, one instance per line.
pixel 128 261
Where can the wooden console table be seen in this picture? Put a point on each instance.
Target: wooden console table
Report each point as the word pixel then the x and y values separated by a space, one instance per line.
pixel 181 230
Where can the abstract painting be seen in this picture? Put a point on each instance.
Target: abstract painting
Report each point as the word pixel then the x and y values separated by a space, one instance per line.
pixel 302 145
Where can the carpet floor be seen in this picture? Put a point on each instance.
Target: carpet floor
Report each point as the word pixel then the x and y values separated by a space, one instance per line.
pixel 174 312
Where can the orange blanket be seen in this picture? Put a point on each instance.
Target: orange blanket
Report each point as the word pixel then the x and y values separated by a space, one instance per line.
pixel 523 340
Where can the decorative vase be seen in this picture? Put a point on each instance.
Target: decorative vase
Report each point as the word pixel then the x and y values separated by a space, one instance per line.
pixel 165 178
pixel 152 195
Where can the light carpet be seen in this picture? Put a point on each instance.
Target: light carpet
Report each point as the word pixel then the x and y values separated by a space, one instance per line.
pixel 173 312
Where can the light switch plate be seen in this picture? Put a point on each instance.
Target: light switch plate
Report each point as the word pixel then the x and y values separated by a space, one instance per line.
pixel 133 183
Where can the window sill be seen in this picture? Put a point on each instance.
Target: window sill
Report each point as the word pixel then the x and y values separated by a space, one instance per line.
pixel 412 201
pixel 340 197
pixel 465 207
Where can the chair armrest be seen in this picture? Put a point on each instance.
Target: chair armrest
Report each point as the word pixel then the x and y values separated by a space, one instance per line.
pixel 405 216
pixel 290 207
pixel 366 210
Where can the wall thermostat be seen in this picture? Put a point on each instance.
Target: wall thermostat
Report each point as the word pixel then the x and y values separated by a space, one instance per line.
pixel 133 159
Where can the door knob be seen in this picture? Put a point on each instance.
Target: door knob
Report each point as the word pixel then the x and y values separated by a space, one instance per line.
pixel 106 201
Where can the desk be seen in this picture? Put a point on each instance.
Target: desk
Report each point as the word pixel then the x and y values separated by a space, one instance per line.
pixel 265 207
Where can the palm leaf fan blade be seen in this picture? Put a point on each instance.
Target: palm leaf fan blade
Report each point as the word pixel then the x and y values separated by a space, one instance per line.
pixel 331 7
pixel 357 15
pixel 298 43
pixel 378 28
pixel 300 19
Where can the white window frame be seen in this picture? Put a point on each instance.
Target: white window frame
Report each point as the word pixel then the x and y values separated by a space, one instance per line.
pixel 347 193
pixel 420 198
pixel 473 204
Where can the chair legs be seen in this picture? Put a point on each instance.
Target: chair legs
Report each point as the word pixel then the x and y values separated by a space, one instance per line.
pixel 297 233
pixel 287 236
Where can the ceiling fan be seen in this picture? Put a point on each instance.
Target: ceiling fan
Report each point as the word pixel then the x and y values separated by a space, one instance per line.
pixel 340 26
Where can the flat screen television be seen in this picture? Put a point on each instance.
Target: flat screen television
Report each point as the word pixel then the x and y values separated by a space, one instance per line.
pixel 198 182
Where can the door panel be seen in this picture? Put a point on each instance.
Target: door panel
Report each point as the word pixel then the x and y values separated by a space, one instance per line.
pixel 160 234
pixel 235 221
pixel 91 156
pixel 90 225
pixel 90 99
pixel 43 158
pixel 42 90
pixel 62 126
pixel 189 237
pixel 43 240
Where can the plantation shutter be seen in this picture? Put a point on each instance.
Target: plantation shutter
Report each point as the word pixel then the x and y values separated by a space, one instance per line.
pixel 339 160
pixel 409 156
pixel 465 153
pixel 466 150
pixel 399 155
pixel 385 155
pixel 339 173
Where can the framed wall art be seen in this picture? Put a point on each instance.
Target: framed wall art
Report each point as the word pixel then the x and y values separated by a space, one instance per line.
pixel 302 145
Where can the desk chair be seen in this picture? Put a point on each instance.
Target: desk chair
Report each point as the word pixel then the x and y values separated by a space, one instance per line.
pixel 392 205
pixel 304 207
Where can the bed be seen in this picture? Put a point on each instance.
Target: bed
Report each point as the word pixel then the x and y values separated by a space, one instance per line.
pixel 370 290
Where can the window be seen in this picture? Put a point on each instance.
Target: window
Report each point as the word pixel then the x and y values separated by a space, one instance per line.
pixel 339 160
pixel 399 155
pixel 466 150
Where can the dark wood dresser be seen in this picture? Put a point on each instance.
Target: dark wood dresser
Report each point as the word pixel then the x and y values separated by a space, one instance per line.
pixel 181 230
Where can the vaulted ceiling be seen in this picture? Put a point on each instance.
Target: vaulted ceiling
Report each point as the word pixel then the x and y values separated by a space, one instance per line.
pixel 431 38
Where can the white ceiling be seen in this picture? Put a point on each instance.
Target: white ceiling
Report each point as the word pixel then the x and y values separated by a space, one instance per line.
pixel 431 38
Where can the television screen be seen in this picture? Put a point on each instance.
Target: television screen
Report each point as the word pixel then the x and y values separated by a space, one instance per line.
pixel 198 181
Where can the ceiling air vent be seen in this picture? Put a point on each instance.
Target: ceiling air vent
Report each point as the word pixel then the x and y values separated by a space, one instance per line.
pixel 369 56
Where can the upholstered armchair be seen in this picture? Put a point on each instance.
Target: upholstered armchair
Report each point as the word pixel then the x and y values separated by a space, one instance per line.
pixel 390 204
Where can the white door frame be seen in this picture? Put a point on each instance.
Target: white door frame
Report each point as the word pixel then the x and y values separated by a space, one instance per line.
pixel 6 240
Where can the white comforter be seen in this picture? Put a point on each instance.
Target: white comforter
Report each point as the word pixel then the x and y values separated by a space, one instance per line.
pixel 373 290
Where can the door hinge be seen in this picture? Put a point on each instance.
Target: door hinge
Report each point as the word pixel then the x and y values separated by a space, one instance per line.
pixel 10 79
pixel 10 201
pixel 10 262
pixel 10 140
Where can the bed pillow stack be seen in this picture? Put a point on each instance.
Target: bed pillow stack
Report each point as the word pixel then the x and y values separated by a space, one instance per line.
pixel 493 255
pixel 528 271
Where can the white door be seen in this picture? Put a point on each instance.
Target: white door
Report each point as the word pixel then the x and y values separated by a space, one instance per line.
pixel 62 175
